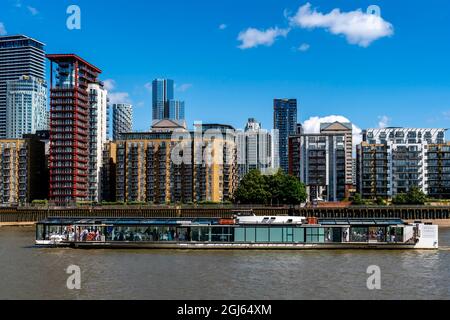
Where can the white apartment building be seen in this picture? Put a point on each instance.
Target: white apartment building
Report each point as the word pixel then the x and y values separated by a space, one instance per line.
pixel 322 161
pixel 255 149
pixel 26 107
pixel 97 137
pixel 392 160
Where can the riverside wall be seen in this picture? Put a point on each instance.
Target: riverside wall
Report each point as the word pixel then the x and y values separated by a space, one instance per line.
pixel 31 215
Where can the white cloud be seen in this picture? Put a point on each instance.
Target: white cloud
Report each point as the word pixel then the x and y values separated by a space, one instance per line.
pixel 115 97
pixel 383 121
pixel 119 97
pixel 149 86
pixel 304 47
pixel 312 125
pixel 223 26
pixel 109 84
pixel 358 27
pixel 252 37
pixel 446 115
pixel 2 29
pixel 184 87
pixel 32 10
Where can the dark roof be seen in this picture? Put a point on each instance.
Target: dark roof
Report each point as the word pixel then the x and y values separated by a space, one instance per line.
pixel 71 56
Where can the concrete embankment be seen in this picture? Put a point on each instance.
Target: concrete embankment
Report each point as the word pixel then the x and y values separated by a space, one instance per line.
pixel 444 223
pixel 18 216
pixel 17 224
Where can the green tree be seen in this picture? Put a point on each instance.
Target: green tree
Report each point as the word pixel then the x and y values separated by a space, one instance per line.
pixel 415 196
pixel 358 200
pixel 292 191
pixel 400 199
pixel 277 189
pixel 380 201
pixel 252 189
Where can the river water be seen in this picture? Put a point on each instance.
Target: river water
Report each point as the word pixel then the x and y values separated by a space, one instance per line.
pixel 27 272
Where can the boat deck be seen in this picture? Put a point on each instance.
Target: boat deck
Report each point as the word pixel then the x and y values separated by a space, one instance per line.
pixel 238 246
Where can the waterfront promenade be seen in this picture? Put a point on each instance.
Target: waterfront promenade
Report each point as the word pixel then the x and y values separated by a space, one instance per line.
pixel 23 216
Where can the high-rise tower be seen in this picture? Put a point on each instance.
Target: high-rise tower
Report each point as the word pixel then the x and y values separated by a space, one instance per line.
pixel 162 93
pixel 69 126
pixel 285 121
pixel 19 56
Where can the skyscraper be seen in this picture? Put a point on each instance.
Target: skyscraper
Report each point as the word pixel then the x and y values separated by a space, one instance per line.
pixel 26 109
pixel 254 147
pixel 346 129
pixel 162 93
pixel 164 105
pixel 176 110
pixel 97 137
pixel 69 130
pixel 285 121
pixel 319 160
pixel 122 119
pixel 19 56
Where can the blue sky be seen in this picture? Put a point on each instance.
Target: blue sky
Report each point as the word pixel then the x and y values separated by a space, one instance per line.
pixel 401 78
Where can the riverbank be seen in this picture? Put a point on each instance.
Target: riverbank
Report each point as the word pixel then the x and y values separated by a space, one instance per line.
pixel 440 222
pixel 17 224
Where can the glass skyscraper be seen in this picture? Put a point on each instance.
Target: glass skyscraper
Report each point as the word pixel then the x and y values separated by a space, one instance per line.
pixel 164 105
pixel 26 107
pixel 19 56
pixel 162 93
pixel 122 119
pixel 285 121
pixel 176 110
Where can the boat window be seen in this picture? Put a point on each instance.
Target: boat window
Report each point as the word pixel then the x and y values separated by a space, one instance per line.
pixel 315 235
pixel 394 234
pixel 359 234
pixel 201 234
pixel 89 234
pixel 222 234
pixel 239 235
pixel 299 235
pixel 262 234
pixel 333 235
pixel 276 234
pixel 250 235
pixel 377 234
pixel 40 233
pixel 288 234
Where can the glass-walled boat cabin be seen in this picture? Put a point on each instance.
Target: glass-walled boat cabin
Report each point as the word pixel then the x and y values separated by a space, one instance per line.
pixel 222 231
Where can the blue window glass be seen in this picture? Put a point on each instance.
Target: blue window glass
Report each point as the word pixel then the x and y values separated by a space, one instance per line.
pixel 276 235
pixel 288 235
pixel 262 234
pixel 239 235
pixel 299 235
pixel 250 234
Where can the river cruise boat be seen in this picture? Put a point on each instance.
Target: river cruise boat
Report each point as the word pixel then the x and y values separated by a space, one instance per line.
pixel 240 232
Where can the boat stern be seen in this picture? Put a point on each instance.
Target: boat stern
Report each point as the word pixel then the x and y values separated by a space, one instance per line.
pixel 428 236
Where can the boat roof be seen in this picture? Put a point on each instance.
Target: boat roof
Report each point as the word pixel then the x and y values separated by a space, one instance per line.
pixel 129 221
pixel 359 222
pixel 206 221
